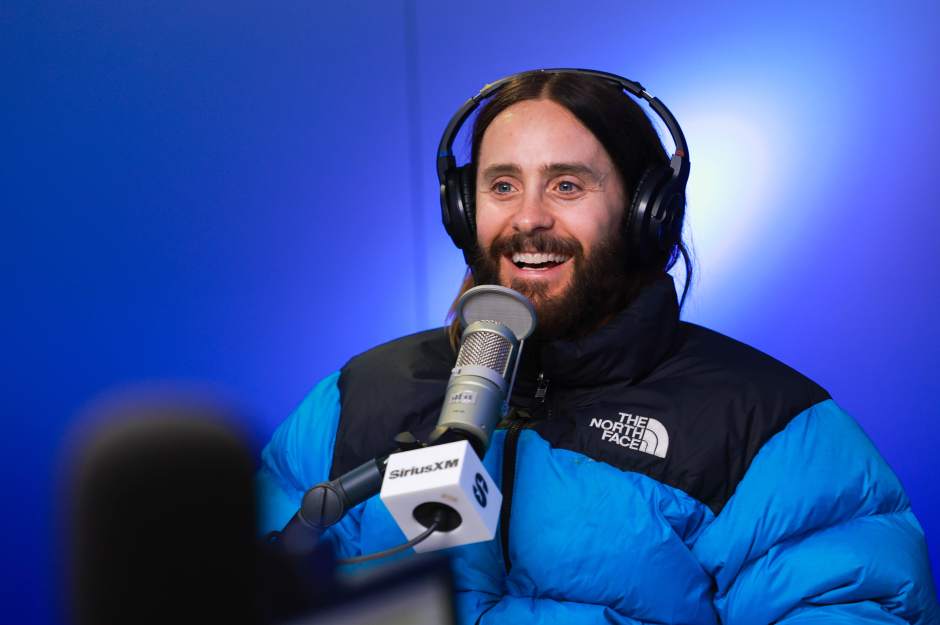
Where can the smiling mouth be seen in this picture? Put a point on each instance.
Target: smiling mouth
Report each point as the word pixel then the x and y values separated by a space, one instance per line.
pixel 537 260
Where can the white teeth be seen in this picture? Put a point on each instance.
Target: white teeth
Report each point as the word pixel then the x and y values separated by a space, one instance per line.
pixel 533 258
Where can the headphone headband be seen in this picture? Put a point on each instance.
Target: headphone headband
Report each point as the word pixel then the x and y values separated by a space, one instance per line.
pixel 679 162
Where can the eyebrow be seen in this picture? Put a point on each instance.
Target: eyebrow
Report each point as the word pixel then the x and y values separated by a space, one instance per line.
pixel 577 169
pixel 551 170
pixel 501 169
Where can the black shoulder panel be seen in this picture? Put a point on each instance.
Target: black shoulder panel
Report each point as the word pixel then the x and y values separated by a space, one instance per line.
pixel 695 423
pixel 392 388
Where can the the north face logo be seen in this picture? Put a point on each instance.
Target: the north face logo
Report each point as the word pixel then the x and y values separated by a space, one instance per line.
pixel 634 432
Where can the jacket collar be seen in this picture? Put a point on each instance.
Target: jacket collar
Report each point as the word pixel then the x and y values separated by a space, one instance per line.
pixel 623 350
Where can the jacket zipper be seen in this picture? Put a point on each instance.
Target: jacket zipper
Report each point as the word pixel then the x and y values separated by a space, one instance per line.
pixel 509 466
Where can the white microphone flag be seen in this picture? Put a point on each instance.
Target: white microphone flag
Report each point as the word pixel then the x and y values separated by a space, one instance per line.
pixel 452 475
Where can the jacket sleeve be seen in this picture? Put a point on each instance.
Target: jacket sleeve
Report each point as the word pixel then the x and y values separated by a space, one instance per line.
pixel 819 530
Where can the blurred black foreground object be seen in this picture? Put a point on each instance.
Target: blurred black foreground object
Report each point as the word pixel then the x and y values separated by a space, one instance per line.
pixel 163 530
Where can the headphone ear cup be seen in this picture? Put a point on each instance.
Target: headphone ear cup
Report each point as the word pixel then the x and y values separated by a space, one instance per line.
pixel 457 207
pixel 468 197
pixel 667 215
pixel 642 241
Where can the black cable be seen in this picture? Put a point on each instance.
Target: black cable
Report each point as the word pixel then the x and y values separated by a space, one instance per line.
pixel 388 552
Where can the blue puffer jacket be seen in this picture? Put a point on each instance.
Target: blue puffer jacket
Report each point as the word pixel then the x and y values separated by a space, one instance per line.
pixel 668 475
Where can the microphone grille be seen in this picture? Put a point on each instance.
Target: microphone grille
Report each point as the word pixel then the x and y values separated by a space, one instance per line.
pixel 485 349
pixel 490 301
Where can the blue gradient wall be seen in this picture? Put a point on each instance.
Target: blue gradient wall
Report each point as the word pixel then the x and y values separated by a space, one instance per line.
pixel 244 195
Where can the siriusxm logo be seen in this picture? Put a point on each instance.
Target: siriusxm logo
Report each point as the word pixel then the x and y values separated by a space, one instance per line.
pixel 428 468
pixel 480 489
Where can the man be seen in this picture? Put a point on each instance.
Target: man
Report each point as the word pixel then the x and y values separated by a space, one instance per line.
pixel 652 470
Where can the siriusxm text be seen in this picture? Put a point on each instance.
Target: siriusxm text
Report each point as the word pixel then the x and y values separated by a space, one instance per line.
pixel 437 466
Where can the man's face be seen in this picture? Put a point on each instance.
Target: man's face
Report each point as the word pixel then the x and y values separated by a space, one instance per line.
pixel 549 206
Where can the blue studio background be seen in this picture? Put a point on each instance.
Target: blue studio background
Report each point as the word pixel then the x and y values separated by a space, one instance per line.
pixel 243 194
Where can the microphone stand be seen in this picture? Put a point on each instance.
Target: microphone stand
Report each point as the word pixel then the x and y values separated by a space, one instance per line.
pixel 327 503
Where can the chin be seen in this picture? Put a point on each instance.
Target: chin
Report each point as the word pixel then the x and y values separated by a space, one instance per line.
pixel 539 292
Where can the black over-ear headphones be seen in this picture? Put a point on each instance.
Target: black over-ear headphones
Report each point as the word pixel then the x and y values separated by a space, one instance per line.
pixel 654 218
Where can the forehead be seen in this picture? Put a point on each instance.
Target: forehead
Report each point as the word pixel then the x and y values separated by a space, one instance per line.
pixel 535 132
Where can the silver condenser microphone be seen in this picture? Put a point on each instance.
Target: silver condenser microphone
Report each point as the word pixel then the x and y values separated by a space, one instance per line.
pixel 496 322
pixel 445 485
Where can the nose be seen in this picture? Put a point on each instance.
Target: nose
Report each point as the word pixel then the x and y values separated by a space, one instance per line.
pixel 532 214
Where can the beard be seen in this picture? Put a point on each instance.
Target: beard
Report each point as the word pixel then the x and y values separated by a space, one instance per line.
pixel 600 284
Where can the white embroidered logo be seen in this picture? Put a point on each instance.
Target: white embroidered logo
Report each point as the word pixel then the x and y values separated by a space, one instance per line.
pixel 634 432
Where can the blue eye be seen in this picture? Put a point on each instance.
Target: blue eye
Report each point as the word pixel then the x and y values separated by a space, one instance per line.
pixel 566 186
pixel 502 187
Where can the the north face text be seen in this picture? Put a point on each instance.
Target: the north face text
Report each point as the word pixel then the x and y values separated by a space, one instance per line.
pixel 634 432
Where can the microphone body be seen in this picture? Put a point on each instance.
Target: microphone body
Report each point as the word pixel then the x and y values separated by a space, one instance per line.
pixel 476 394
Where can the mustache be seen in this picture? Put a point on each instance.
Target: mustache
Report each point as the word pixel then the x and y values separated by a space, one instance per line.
pixel 538 242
